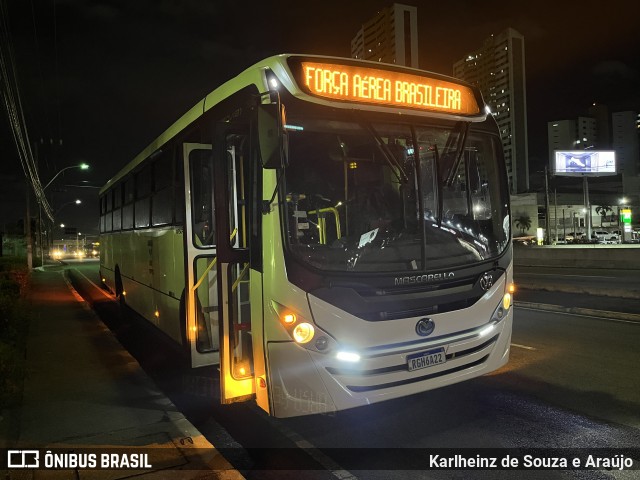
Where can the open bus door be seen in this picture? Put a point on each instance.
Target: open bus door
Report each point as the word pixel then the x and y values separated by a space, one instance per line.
pixel 231 159
pixel 201 293
pixel 220 283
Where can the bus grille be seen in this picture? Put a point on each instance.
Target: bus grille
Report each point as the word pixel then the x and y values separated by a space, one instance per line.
pixel 403 367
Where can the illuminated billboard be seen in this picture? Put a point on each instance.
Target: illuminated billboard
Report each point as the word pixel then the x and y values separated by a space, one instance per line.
pixel 584 162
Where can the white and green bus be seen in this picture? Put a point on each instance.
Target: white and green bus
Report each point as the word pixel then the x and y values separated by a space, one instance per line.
pixel 330 232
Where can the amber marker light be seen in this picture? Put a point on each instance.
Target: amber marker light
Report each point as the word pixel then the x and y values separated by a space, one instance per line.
pixel 512 288
pixel 288 318
pixel 157 314
pixel 506 301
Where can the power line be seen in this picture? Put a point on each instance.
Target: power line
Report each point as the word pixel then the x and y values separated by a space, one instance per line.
pixel 15 112
pixel 55 57
pixel 43 101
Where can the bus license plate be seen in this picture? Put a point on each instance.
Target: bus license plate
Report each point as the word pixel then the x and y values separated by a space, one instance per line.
pixel 426 359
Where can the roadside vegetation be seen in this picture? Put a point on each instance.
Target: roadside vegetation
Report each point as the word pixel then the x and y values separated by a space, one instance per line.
pixel 14 324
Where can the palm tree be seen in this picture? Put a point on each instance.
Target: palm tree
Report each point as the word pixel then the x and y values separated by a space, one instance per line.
pixel 523 222
pixel 602 211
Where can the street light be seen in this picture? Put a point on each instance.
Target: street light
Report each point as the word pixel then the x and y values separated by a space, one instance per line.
pixel 82 166
pixel 77 201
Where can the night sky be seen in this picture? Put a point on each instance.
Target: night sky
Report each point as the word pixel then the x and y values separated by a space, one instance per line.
pixel 107 77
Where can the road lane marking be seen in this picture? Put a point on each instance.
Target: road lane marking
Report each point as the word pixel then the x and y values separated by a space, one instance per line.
pixel 559 275
pixel 594 317
pixel 523 346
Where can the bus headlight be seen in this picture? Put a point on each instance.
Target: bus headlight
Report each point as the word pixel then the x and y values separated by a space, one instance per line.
pixel 322 343
pixel 303 332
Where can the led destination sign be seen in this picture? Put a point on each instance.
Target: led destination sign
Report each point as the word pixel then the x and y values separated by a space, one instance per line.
pixel 383 87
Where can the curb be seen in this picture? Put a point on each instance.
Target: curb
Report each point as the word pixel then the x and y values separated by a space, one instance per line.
pixel 629 317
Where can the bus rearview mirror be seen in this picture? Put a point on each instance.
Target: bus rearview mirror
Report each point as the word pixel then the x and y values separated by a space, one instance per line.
pixel 271 135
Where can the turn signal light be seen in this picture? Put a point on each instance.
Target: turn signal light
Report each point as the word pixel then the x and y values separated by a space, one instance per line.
pixel 512 288
pixel 288 318
pixel 506 301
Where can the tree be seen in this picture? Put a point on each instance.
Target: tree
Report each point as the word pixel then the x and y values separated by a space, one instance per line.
pixel 602 211
pixel 523 222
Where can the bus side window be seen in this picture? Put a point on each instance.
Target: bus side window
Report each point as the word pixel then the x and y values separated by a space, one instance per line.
pixel 203 212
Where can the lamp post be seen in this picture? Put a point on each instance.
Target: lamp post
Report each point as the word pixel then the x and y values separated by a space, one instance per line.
pixel 77 201
pixel 82 166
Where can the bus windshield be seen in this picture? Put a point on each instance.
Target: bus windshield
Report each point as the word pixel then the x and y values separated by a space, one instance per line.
pixel 393 197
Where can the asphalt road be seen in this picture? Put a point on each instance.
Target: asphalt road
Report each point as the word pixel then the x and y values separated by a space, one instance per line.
pixel 572 383
pixel 600 282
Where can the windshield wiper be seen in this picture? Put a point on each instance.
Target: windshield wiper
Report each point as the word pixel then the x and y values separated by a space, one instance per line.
pixel 462 140
pixel 401 175
pixel 440 187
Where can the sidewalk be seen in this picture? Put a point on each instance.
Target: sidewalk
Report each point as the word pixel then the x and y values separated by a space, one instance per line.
pixel 84 392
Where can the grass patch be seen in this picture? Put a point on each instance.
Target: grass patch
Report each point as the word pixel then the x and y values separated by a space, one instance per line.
pixel 14 325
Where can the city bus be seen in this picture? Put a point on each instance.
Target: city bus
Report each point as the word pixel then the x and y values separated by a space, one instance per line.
pixel 328 232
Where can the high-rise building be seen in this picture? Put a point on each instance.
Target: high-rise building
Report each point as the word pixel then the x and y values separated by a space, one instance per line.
pixel 498 68
pixel 625 142
pixel 391 36
pixel 600 113
pixel 562 136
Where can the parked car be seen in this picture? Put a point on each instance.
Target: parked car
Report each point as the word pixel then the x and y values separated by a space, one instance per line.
pixel 574 236
pixel 525 241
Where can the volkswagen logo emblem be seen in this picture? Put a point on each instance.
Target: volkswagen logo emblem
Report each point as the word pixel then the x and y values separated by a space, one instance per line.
pixel 486 281
pixel 425 327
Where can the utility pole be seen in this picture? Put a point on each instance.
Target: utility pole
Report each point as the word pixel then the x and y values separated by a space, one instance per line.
pixel 587 206
pixel 555 212
pixel 27 229
pixel 547 235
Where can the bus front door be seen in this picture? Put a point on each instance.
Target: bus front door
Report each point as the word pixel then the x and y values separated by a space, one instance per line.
pixel 237 374
pixel 220 282
pixel 201 293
